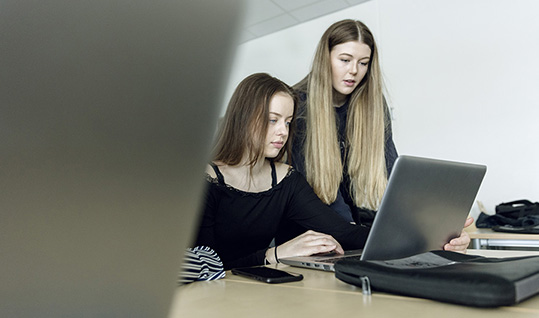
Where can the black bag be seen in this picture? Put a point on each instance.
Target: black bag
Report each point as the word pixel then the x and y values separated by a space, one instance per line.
pixel 449 277
pixel 520 216
pixel 517 209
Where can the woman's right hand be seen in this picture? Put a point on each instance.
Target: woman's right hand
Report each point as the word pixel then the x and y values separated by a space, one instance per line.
pixel 306 244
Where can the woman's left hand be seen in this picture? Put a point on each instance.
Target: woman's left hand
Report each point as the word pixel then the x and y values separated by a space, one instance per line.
pixel 460 244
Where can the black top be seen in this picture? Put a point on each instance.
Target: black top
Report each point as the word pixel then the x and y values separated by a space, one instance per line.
pixel 240 225
pixel 344 204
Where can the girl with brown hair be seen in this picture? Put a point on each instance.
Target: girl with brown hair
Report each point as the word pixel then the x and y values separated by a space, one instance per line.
pixel 250 192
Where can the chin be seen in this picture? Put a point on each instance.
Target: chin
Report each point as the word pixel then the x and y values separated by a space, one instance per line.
pixel 348 91
pixel 272 155
pixel 345 92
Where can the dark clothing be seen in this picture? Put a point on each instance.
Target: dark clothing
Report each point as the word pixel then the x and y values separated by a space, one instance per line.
pixel 344 204
pixel 240 225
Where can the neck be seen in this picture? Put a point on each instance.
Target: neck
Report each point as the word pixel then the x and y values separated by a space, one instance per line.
pixel 254 169
pixel 252 178
pixel 339 99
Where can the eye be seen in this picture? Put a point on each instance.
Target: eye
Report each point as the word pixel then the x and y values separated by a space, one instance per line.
pixel 272 121
pixel 345 60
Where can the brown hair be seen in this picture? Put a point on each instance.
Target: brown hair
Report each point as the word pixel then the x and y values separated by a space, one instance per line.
pixel 245 124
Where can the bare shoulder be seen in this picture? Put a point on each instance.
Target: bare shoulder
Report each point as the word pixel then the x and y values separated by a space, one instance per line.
pixel 282 170
pixel 210 171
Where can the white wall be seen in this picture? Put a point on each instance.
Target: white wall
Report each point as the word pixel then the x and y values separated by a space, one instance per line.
pixel 288 54
pixel 462 78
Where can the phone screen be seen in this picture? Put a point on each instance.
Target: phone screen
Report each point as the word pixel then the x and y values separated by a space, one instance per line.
pixel 267 274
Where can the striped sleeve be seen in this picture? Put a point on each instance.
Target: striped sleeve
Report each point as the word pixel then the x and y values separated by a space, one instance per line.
pixel 200 263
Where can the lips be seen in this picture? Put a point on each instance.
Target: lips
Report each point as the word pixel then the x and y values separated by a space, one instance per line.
pixel 278 144
pixel 349 82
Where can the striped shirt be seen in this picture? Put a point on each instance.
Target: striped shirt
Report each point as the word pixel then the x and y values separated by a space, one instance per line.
pixel 200 263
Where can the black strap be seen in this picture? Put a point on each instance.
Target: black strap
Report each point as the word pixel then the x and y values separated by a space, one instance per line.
pixel 518 208
pixel 221 178
pixel 273 174
pixel 218 173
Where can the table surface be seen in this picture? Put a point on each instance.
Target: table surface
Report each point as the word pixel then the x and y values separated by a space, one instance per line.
pixel 476 233
pixel 320 294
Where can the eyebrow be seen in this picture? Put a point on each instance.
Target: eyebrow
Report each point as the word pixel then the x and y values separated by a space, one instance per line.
pixel 350 55
pixel 277 114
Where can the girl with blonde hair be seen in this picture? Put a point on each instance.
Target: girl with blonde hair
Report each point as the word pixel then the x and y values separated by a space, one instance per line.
pixel 343 145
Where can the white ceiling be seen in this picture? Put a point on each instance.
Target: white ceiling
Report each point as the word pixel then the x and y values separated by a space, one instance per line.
pixel 263 17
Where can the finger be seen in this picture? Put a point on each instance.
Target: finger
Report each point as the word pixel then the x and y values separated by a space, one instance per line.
pixel 469 221
pixel 339 249
pixel 323 244
pixel 464 238
pixel 449 247
pixel 320 241
pixel 330 248
pixel 454 247
pixel 323 239
pixel 336 247
pixel 320 249
pixel 460 243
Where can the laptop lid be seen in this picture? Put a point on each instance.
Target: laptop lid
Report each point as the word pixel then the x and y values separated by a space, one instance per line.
pixel 425 204
pixel 106 118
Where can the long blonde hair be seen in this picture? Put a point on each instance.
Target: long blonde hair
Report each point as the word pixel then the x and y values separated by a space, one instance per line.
pixel 366 125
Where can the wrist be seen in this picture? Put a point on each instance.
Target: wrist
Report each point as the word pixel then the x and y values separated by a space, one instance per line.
pixel 270 256
pixel 275 254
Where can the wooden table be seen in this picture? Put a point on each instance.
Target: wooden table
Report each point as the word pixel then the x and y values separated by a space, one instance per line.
pixel 320 294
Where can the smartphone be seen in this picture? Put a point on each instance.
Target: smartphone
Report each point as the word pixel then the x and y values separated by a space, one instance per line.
pixel 267 274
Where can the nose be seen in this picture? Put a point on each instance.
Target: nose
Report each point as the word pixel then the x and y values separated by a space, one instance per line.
pixel 282 129
pixel 353 68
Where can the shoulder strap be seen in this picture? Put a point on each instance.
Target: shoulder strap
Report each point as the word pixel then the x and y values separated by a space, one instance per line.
pixel 218 173
pixel 273 174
